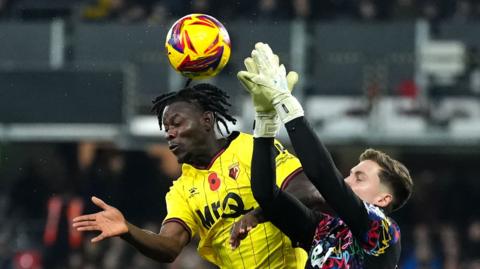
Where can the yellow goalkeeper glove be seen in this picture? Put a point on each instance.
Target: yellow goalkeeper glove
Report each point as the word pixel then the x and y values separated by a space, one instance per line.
pixel 266 119
pixel 274 84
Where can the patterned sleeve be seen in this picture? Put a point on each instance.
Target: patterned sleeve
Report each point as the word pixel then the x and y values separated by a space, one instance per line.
pixel 178 209
pixel 383 232
pixel 287 166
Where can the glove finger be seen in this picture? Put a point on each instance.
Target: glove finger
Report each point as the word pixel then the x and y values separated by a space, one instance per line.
pixel 250 65
pixel 292 79
pixel 260 62
pixel 263 64
pixel 270 57
pixel 264 48
pixel 282 71
pixel 276 60
pixel 246 79
pixel 258 45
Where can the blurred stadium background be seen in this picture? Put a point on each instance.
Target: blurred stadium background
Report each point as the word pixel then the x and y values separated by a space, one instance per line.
pixel 77 78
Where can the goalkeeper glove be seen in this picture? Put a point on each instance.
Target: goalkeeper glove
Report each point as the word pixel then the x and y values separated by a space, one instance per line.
pixel 275 84
pixel 266 119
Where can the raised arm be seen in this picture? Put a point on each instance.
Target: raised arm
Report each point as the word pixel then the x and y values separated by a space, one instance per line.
pixel 321 170
pixel 268 161
pixel 163 247
pixel 299 188
pixel 316 160
pixel 283 209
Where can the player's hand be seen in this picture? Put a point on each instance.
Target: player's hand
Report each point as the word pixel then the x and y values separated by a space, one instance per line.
pixel 276 84
pixel 262 105
pixel 255 83
pixel 110 222
pixel 241 228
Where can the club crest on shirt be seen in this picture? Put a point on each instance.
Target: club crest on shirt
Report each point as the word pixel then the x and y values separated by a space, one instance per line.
pixel 233 171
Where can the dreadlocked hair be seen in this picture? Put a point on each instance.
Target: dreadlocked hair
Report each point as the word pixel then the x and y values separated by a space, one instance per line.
pixel 206 96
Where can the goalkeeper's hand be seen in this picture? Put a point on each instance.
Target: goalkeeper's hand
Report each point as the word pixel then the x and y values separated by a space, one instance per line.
pixel 266 120
pixel 274 84
pixel 262 105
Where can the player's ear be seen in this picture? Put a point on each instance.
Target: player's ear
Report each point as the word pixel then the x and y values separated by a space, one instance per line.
pixel 208 120
pixel 384 200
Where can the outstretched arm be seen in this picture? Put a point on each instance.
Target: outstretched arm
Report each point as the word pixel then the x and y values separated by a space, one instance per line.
pixel 321 170
pixel 163 247
pixel 266 125
pixel 367 223
pixel 281 208
pixel 271 81
pixel 298 188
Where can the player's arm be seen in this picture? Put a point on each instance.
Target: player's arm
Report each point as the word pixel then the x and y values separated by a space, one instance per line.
pixel 280 207
pixel 291 179
pixel 272 83
pixel 163 247
pixel 367 222
pixel 300 187
pixel 322 172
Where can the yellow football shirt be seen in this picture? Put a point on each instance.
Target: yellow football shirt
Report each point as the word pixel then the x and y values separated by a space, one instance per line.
pixel 208 201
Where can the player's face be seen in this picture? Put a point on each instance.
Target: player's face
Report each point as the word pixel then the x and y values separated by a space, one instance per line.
pixel 365 183
pixel 184 130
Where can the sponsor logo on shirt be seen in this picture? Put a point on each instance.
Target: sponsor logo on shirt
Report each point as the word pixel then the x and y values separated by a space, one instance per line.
pixel 232 206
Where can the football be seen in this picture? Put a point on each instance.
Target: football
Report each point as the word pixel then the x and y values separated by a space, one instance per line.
pixel 198 46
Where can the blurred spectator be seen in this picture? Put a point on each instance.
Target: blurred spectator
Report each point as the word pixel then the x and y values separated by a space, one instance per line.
pixel 166 161
pixel 451 247
pixel 302 9
pixel 430 11
pixel 463 11
pixel 123 11
pixel 472 244
pixel 324 10
pixel 426 198
pixel 159 15
pixel 268 9
pixel 404 10
pixel 367 10
pixel 103 177
pixel 30 192
pixel 200 6
pixel 130 11
pixel 472 71
pixel 423 256
pixel 45 194
pixel 5 8
pixel 476 10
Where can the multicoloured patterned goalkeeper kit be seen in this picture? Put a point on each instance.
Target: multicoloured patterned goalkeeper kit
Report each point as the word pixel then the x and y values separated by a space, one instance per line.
pixel 358 235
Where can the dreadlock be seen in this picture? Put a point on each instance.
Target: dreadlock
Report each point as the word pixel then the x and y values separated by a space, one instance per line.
pixel 206 96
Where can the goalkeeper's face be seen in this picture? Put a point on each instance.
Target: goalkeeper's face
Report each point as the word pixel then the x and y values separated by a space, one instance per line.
pixel 188 130
pixel 365 182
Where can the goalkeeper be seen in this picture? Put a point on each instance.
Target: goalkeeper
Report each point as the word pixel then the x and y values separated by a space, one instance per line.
pixel 359 234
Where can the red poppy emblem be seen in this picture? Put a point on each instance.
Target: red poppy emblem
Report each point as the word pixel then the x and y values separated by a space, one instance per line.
pixel 214 181
pixel 233 172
